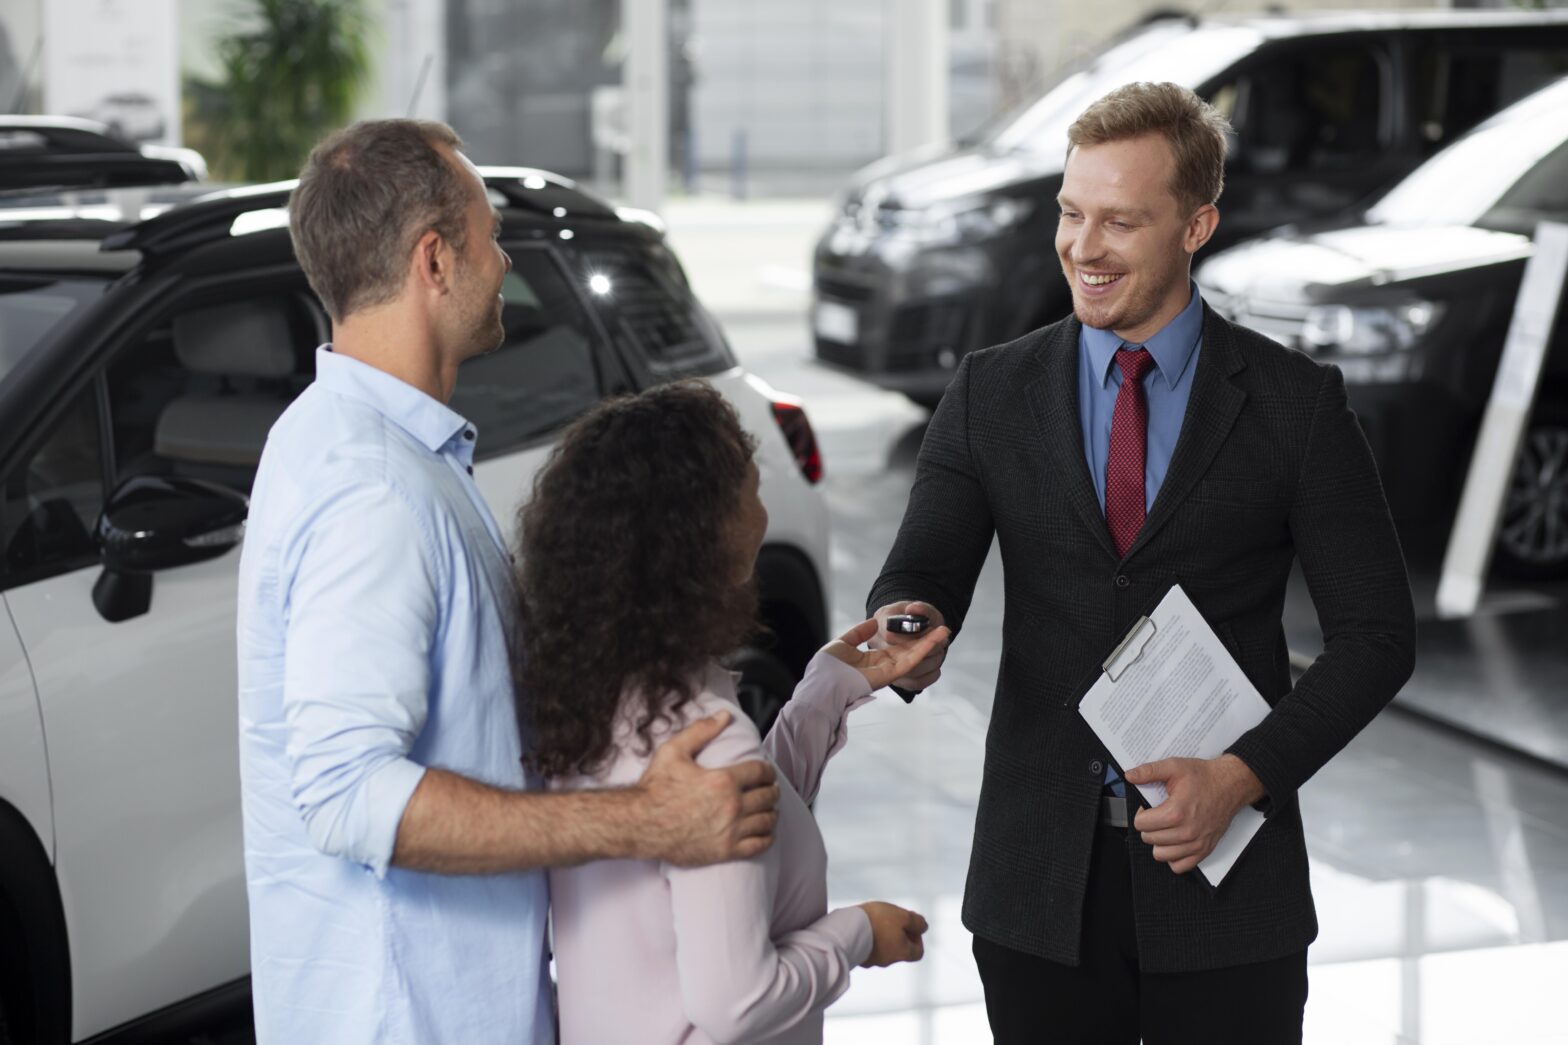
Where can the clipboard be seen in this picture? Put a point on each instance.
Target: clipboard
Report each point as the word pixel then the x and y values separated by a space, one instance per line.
pixel 1170 689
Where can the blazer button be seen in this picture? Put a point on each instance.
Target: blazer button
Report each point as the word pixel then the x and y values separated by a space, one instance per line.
pixel 1097 768
pixel 1123 581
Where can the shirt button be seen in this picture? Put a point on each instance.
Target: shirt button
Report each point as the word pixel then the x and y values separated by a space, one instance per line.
pixel 1097 768
pixel 468 433
pixel 470 469
pixel 1123 581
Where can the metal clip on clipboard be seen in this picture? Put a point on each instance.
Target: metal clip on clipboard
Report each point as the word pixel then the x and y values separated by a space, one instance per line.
pixel 1115 666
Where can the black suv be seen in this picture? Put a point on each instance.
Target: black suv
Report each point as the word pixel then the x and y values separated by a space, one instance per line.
pixel 66 152
pixel 929 258
pixel 149 338
pixel 1413 301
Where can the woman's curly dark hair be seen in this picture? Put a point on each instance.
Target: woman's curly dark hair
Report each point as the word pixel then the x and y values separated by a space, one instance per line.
pixel 626 579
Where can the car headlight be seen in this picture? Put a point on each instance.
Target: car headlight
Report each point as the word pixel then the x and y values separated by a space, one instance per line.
pixel 1369 331
pixel 951 224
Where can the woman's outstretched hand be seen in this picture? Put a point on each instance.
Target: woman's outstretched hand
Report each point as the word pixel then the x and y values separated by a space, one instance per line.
pixel 883 666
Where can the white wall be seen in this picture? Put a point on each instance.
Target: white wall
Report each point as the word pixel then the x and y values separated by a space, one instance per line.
pixel 803 78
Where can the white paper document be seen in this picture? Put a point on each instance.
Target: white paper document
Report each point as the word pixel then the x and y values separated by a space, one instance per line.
pixel 1171 690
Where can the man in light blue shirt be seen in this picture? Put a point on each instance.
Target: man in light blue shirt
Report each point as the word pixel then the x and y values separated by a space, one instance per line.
pixel 392 845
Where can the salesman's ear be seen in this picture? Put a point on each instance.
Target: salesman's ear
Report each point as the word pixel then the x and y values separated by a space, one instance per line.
pixel 1200 228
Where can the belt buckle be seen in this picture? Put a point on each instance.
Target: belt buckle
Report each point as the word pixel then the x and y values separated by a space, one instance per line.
pixel 1113 811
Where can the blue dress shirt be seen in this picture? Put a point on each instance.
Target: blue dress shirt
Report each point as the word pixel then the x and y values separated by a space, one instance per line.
pixel 374 609
pixel 1166 389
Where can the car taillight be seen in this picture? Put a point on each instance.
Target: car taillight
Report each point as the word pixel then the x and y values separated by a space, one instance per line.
pixel 802 440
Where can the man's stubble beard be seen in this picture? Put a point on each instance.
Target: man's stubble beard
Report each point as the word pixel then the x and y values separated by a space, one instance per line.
pixel 484 330
pixel 1132 310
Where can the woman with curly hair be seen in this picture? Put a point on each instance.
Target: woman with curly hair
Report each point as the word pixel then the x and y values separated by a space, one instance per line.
pixel 639 546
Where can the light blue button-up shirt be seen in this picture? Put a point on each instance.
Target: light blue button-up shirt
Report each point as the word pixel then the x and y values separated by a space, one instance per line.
pixel 1166 389
pixel 374 606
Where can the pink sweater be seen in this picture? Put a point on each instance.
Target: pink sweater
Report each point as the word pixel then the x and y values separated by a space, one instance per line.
pixel 744 951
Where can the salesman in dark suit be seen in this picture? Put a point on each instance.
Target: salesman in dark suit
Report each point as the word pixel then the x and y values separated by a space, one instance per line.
pixel 1141 443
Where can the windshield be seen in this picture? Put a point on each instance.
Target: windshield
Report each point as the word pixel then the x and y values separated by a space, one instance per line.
pixel 1461 184
pixel 32 308
pixel 1170 50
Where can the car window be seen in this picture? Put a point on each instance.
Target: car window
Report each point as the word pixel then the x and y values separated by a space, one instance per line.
pixel 1455 84
pixel 545 373
pixel 197 394
pixel 651 309
pixel 1541 194
pixel 32 308
pixel 51 499
pixel 1313 109
pixel 1166 50
pixel 1466 180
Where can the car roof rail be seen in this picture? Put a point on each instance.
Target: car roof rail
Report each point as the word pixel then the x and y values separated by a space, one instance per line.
pixel 205 218
pixel 527 188
pixel 58 134
pixel 212 216
pixel 38 152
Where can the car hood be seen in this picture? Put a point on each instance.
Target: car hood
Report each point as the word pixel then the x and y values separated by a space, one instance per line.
pixel 1291 266
pixel 914 181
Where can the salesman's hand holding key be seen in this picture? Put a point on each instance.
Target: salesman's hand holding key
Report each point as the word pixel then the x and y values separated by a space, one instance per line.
pixel 900 624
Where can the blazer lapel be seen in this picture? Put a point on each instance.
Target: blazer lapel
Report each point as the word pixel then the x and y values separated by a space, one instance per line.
pixel 1211 413
pixel 1053 400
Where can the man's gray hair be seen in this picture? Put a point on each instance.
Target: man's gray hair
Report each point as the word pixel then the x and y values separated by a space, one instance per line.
pixel 367 194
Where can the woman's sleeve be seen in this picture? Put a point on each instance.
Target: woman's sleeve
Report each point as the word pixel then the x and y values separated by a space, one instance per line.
pixel 812 726
pixel 737 982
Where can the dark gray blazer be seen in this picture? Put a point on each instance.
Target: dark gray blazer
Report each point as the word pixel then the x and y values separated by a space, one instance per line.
pixel 1270 465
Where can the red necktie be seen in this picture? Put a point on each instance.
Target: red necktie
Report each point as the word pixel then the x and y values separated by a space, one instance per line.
pixel 1124 484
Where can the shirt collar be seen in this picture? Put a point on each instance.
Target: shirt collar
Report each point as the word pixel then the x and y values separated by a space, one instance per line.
pixel 1171 348
pixel 430 421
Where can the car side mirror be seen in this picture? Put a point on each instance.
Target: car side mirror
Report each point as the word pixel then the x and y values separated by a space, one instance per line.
pixel 152 523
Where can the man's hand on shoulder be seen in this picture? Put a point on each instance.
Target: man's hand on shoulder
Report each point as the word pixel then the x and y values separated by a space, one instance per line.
pixel 1203 797
pixel 696 816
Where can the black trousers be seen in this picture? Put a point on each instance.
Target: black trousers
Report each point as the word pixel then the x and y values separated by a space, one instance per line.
pixel 1106 1000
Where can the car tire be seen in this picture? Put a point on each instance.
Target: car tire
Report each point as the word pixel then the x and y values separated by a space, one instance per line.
pixel 765 685
pixel 1532 535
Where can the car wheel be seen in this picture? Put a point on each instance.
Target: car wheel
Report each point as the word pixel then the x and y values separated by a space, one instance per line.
pixel 1532 536
pixel 764 687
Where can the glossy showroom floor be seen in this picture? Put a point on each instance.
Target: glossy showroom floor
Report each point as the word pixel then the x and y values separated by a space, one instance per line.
pixel 1440 871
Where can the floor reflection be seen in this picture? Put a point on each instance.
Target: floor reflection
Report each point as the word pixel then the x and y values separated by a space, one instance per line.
pixel 1440 869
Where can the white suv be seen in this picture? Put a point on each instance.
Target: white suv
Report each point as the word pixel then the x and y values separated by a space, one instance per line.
pixel 141 365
